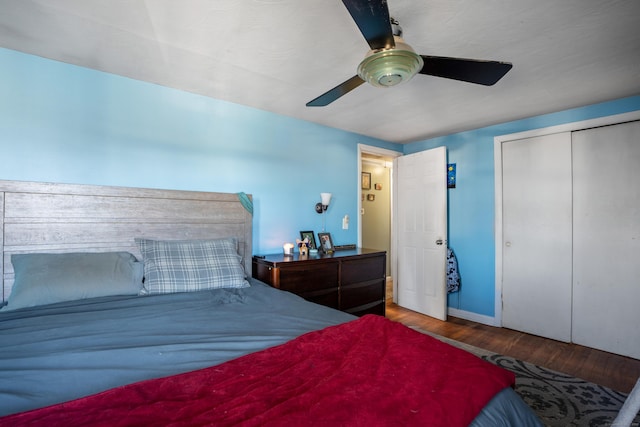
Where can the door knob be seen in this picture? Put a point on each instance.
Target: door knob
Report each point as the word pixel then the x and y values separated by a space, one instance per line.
pixel 439 242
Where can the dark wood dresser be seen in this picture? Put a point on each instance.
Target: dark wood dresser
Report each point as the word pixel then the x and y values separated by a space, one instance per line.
pixel 349 280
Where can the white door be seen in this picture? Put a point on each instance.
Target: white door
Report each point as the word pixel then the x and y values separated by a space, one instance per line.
pixel 606 281
pixel 420 211
pixel 536 246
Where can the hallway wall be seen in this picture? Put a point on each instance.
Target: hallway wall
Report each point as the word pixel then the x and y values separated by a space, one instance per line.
pixel 376 220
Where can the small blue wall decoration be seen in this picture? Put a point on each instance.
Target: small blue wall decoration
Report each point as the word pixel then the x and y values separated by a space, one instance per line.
pixel 451 175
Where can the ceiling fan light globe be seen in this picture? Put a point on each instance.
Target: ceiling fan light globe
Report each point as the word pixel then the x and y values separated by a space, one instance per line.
pixel 389 67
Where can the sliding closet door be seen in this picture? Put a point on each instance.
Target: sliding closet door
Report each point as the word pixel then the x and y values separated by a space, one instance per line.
pixel 536 276
pixel 606 282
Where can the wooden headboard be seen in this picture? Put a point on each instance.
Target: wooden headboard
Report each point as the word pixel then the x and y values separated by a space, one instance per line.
pixel 54 218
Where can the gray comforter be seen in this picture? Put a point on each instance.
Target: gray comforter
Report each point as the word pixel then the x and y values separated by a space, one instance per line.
pixel 63 351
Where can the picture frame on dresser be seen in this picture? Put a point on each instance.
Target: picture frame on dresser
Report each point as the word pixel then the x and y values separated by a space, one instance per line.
pixel 311 237
pixel 326 243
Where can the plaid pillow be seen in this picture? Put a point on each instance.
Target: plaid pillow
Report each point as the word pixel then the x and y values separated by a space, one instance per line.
pixel 190 265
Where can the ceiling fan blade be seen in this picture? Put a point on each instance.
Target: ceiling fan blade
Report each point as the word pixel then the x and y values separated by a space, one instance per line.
pixel 335 93
pixel 467 70
pixel 372 17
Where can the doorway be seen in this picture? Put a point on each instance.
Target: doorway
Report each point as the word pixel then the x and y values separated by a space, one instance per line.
pixel 375 201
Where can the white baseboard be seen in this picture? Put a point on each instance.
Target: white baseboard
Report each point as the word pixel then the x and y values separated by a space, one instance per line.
pixel 474 317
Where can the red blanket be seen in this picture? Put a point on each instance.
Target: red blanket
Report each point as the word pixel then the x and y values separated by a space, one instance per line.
pixel 367 372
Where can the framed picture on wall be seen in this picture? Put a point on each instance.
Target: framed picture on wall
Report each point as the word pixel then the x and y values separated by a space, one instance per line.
pixel 326 244
pixel 366 181
pixel 312 239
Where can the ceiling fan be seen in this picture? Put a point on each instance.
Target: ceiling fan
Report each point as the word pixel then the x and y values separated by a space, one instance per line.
pixel 392 61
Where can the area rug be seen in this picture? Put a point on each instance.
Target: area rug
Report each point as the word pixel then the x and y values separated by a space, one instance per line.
pixel 558 399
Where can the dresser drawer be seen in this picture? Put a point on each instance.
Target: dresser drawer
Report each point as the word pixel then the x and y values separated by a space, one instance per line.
pixel 314 282
pixel 363 293
pixel 305 278
pixel 327 297
pixel 262 272
pixel 363 269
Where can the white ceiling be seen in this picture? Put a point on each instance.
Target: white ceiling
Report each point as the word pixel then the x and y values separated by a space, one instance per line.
pixel 277 55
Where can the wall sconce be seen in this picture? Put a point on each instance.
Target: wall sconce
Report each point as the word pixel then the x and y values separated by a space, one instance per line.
pixel 322 206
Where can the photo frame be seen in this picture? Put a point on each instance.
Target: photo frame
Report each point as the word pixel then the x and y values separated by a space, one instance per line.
pixel 326 243
pixel 366 181
pixel 312 239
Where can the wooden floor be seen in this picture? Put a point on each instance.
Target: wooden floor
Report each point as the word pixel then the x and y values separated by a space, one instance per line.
pixel 617 372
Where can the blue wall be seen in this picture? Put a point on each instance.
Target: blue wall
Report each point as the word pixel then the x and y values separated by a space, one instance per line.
pixel 62 123
pixel 472 202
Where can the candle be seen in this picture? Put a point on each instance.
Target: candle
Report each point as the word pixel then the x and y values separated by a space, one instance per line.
pixel 288 248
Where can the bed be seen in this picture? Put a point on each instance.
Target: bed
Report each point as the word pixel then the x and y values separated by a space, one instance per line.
pixel 128 306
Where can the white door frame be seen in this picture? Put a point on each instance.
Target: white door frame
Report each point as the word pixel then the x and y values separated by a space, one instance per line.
pixel 369 149
pixel 497 154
